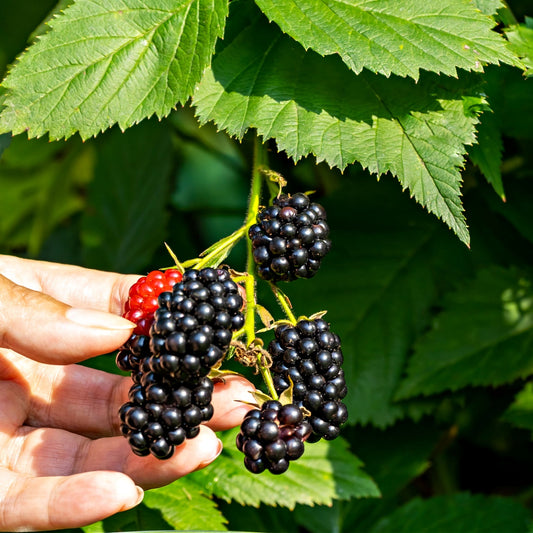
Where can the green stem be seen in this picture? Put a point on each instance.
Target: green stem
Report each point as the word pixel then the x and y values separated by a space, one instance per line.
pixel 284 303
pixel 260 159
pixel 220 252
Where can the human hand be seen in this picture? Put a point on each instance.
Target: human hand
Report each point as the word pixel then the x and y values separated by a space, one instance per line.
pixel 63 462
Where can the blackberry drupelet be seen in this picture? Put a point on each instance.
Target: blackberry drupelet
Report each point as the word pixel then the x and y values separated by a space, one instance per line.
pixel 272 436
pixel 290 238
pixel 309 355
pixel 191 331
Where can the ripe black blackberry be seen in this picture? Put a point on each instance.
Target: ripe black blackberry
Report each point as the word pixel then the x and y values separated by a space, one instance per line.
pixel 161 415
pixel 191 331
pixel 272 436
pixel 290 238
pixel 309 355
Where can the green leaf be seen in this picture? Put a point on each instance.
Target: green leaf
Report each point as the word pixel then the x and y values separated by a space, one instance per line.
pixel 393 258
pixel 393 458
pixel 125 220
pixel 313 105
pixel 385 37
pixel 325 472
pixel 487 153
pixel 520 412
pixel 482 337
pixel 111 61
pixel 517 209
pixel 488 7
pixel 509 94
pixel 521 42
pixel 186 506
pixel 460 513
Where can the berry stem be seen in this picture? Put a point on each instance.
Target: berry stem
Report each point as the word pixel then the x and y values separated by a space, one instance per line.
pixel 260 160
pixel 284 302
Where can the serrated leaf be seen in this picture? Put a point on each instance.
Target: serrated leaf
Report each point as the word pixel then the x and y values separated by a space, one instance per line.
pixel 325 472
pixel 487 153
pixel 125 219
pixel 186 506
pixel 43 26
pixel 482 337
pixel 111 61
pixel 460 513
pixel 313 105
pixel 521 42
pixel 520 412
pixel 386 37
pixel 489 7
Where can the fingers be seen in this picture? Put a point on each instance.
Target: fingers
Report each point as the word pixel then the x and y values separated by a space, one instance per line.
pixel 148 472
pixel 55 452
pixel 86 401
pixel 231 400
pixel 73 285
pixel 47 330
pixel 46 503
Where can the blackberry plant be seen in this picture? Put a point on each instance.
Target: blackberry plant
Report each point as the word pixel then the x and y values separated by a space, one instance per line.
pixel 192 316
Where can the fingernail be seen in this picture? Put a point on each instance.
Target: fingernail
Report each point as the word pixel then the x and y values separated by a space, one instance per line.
pixel 218 451
pixel 140 492
pixel 97 319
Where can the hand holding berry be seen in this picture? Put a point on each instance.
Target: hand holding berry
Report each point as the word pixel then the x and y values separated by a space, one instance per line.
pixel 63 462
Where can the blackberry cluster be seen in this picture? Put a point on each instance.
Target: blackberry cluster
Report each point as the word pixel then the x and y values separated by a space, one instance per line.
pixel 309 355
pixel 272 436
pixel 290 238
pixel 191 331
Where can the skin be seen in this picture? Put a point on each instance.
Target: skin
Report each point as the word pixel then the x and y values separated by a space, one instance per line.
pixel 63 462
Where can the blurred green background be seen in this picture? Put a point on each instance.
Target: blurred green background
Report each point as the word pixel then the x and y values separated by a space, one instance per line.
pixel 395 273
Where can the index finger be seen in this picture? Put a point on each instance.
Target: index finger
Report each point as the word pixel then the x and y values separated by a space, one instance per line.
pixel 73 285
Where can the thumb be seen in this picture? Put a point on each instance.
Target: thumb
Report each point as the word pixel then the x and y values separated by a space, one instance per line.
pixel 46 330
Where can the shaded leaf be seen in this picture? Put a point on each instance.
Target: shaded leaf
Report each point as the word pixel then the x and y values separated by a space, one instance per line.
pixel 460 513
pixel 325 472
pixel 521 38
pixel 111 61
pixel 520 412
pixel 125 219
pixel 482 337
pixel 312 105
pixel 509 94
pixel 393 458
pixel 487 153
pixel 517 208
pixel 186 506
pixel 385 37
pixel 391 258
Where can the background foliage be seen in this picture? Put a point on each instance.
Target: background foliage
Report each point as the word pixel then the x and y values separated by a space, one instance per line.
pixel 433 98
